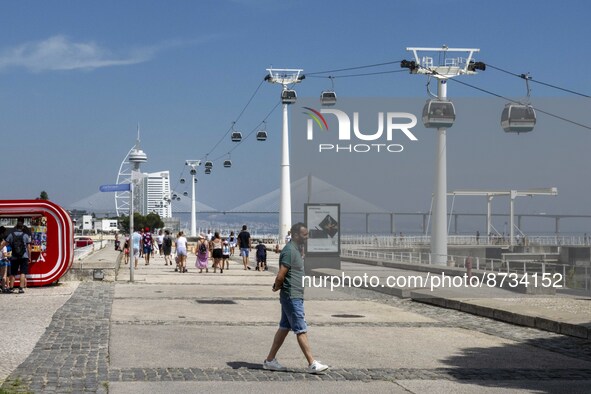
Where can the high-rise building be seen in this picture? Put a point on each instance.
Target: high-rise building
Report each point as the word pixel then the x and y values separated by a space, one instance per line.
pixel 156 194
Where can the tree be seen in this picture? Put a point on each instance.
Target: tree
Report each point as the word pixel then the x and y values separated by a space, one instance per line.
pixel 152 220
pixel 43 195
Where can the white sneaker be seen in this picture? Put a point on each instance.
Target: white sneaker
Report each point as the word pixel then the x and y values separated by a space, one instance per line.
pixel 317 367
pixel 273 365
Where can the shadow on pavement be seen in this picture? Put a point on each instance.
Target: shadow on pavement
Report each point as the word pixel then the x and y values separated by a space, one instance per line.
pixel 562 363
pixel 243 364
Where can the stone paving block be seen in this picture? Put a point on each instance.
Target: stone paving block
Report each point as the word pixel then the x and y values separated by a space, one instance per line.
pixel 575 330
pixel 547 324
pixel 476 309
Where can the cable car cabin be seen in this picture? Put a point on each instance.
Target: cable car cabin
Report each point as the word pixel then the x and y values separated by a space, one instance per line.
pixel 236 136
pixel 438 113
pixel 288 96
pixel 185 194
pixel 208 165
pixel 261 136
pixel 227 163
pixel 518 118
pixel 182 180
pixel 208 171
pixel 328 98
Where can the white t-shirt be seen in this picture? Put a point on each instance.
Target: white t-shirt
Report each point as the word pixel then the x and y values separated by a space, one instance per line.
pixel 135 240
pixel 181 243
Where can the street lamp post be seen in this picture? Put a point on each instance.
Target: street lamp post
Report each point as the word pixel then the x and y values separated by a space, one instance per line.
pixel 285 77
pixel 131 228
pixel 193 164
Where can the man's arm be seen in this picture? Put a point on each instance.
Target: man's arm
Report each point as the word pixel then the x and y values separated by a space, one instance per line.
pixel 280 277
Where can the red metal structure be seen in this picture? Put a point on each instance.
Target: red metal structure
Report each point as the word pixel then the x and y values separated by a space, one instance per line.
pixel 52 235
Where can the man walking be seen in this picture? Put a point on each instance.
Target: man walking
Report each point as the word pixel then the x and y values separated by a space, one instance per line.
pixel 147 243
pixel 289 282
pixel 167 248
pixel 245 244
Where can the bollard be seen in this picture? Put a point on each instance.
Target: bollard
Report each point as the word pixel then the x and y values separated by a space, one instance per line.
pixel 468 265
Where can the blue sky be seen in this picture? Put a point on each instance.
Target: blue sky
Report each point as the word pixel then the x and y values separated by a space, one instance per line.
pixel 77 76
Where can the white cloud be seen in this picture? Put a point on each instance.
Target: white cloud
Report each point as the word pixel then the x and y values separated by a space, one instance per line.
pixel 60 53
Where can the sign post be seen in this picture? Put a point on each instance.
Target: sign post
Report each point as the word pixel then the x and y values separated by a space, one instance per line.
pixel 124 187
pixel 323 249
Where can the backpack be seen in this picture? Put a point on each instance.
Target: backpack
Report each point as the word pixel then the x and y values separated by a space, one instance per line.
pixel 18 245
pixel 202 248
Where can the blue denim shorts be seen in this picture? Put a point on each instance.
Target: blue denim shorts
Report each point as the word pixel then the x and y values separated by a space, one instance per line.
pixel 292 314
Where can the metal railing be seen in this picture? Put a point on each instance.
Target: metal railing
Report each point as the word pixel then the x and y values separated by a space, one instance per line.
pixel 529 267
pixel 393 241
pixel 85 251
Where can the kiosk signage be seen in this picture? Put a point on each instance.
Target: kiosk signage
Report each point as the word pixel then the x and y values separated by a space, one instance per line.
pixel 52 237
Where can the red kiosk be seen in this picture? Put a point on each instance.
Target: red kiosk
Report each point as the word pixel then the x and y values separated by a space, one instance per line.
pixel 52 235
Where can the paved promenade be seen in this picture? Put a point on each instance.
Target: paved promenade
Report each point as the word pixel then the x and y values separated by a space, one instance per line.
pixel 191 332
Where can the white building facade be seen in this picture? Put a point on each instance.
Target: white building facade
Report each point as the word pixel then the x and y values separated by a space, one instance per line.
pixel 155 194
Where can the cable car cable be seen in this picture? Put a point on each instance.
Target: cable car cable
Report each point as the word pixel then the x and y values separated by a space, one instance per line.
pixel 353 68
pixel 356 75
pixel 540 82
pixel 517 102
pixel 256 128
pixel 238 118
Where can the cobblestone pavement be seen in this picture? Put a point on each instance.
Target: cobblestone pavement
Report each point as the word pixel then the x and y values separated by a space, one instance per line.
pixel 25 317
pixel 253 372
pixel 72 355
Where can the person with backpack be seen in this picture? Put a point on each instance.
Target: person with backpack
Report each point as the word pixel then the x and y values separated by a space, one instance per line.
pixel 167 248
pixel 201 250
pixel 20 244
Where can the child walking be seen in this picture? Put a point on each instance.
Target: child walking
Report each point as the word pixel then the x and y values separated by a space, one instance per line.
pixel 226 255
pixel 4 268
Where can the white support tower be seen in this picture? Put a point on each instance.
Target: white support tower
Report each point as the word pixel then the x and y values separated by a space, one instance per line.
pixel 193 164
pixel 285 77
pixel 445 68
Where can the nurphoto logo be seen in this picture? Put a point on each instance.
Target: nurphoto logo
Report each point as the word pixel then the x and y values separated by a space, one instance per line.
pixel 389 126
